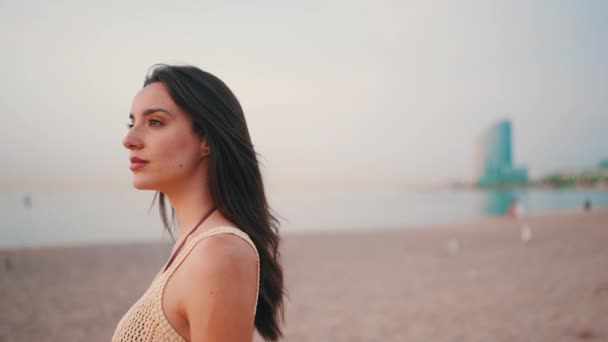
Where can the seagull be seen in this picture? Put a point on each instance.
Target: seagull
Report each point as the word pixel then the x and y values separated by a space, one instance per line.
pixel 453 246
pixel 526 233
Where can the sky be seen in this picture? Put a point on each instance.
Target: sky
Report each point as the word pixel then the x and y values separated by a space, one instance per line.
pixel 362 93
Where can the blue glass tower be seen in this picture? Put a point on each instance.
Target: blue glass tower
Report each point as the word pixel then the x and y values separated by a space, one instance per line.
pixel 495 157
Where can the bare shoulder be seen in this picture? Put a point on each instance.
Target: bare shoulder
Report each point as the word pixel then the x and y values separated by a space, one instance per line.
pixel 220 288
pixel 221 258
pixel 222 250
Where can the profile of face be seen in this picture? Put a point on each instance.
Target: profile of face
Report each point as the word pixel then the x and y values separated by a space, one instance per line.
pixel 163 149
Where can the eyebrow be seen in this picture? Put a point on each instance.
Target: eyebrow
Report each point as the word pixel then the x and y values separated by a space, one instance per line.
pixel 152 111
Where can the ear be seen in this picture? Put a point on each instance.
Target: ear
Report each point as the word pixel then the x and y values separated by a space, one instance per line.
pixel 204 148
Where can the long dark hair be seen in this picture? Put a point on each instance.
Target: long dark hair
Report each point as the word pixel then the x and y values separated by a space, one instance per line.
pixel 234 177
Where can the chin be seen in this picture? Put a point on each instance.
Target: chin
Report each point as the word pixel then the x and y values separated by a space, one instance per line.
pixel 141 187
pixel 142 184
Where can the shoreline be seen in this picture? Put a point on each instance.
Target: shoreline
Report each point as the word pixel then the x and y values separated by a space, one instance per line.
pixel 491 220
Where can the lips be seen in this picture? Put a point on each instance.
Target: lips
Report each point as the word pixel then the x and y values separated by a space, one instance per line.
pixel 137 163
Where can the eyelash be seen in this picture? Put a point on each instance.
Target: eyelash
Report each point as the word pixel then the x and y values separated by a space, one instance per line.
pixel 160 123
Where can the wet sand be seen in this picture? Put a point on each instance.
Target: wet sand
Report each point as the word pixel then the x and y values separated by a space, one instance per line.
pixel 473 281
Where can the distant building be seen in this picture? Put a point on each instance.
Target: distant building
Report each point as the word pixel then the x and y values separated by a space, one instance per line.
pixel 494 157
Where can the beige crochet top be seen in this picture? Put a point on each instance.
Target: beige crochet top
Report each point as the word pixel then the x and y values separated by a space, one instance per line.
pixel 146 321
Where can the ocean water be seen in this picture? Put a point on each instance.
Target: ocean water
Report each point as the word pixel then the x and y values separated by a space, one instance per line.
pixel 76 218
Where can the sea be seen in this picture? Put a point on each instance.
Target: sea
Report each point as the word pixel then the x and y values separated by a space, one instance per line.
pixel 55 218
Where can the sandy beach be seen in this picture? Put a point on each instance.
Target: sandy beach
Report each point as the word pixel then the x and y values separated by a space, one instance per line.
pixel 477 281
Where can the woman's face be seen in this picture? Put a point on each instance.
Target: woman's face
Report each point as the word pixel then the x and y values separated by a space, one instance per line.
pixel 161 137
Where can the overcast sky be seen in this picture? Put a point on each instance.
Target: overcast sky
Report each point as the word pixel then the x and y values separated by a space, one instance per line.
pixel 367 92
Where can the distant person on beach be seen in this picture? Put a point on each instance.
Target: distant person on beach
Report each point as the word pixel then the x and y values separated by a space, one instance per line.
pixel 515 209
pixel 27 201
pixel 587 204
pixel 188 140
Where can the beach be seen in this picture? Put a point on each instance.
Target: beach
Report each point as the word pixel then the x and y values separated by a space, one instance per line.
pixel 541 278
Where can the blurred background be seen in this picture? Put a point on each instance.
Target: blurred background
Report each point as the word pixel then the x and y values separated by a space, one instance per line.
pixel 371 117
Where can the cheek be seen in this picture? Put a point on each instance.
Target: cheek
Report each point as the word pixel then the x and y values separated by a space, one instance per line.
pixel 179 155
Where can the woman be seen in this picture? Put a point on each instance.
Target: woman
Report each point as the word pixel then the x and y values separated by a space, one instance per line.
pixel 189 141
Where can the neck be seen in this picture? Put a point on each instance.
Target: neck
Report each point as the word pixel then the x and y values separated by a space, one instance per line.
pixel 190 202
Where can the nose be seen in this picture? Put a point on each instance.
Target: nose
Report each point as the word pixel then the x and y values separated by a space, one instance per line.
pixel 132 141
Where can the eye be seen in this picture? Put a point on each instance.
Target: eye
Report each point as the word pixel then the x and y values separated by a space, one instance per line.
pixel 155 123
pixel 129 125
